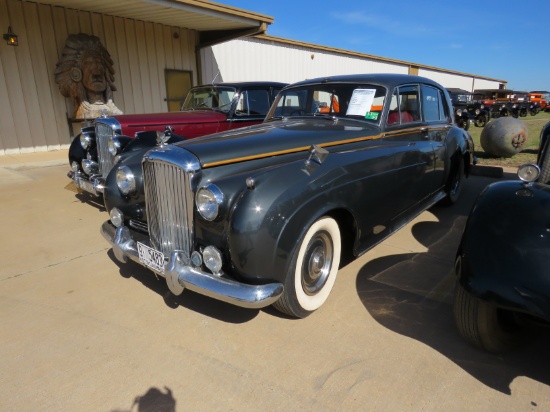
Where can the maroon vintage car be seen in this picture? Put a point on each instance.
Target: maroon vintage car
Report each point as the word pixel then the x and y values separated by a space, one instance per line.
pixel 207 109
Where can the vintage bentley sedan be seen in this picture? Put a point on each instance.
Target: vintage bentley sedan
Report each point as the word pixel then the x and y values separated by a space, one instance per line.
pixel 267 214
pixel 206 109
pixel 502 264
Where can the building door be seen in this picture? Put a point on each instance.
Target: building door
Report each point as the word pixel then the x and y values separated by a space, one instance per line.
pixel 178 83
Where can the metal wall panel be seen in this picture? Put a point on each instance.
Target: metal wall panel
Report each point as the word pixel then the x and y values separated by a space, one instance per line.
pixel 288 61
pixel 254 59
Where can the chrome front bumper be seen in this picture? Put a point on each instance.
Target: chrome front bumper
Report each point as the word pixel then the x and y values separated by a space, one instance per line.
pixel 92 184
pixel 180 275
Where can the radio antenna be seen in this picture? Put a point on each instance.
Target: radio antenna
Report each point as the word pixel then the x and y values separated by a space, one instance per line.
pixel 214 79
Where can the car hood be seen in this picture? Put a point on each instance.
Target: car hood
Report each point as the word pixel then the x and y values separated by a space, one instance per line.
pixel 276 138
pixel 132 123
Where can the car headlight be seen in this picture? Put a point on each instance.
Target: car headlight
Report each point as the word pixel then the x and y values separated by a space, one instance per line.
pixel 482 107
pixel 528 172
pixel 114 146
pixel 125 180
pixel 459 112
pixel 209 200
pixel 478 111
pixel 85 141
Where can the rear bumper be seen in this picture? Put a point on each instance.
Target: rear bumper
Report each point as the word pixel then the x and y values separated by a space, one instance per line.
pixel 180 274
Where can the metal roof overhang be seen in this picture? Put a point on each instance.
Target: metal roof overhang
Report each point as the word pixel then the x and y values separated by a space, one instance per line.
pixel 215 22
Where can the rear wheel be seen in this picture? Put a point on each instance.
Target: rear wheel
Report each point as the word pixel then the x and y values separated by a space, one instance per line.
pixel 455 185
pixel 313 271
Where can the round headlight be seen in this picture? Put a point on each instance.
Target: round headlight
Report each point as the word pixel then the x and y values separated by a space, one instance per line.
pixel 85 141
pixel 459 112
pixel 209 199
pixel 212 259
pixel 116 216
pixel 478 111
pixel 528 172
pixel 482 107
pixel 125 180
pixel 114 146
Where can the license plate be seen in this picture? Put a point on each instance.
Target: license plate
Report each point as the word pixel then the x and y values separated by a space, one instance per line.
pixel 86 185
pixel 151 258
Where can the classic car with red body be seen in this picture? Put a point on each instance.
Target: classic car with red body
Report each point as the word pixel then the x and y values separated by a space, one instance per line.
pixel 206 109
pixel 267 214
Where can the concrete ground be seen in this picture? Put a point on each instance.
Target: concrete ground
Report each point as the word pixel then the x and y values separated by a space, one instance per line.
pixel 81 332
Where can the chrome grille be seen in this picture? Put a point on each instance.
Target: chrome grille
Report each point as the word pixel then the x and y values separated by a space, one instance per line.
pixel 169 205
pixel 105 159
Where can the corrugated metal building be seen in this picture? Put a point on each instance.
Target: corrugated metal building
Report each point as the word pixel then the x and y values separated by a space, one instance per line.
pixel 266 57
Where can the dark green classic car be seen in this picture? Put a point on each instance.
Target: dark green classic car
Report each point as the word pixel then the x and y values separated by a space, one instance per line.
pixel 266 214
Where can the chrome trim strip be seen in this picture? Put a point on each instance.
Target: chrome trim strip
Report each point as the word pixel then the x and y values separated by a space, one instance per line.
pixel 186 276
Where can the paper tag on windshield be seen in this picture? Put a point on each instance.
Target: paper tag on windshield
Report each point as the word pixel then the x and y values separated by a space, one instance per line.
pixel 361 102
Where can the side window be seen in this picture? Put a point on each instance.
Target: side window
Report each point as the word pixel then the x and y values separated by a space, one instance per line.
pixel 291 103
pixel 253 102
pixel 433 104
pixel 404 105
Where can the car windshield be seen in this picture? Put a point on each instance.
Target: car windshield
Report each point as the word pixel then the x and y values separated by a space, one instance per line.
pixel 209 98
pixel 344 100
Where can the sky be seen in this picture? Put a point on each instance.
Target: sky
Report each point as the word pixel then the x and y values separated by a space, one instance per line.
pixel 504 40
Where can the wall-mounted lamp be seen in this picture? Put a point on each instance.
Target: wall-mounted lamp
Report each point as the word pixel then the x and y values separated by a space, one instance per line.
pixel 11 38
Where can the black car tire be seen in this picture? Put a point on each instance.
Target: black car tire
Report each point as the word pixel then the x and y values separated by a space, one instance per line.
pixel 456 183
pixel 523 112
pixel 313 270
pixel 480 121
pixel 483 324
pixel 545 164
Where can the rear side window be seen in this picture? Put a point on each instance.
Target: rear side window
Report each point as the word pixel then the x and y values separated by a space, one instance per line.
pixel 433 105
pixel 404 105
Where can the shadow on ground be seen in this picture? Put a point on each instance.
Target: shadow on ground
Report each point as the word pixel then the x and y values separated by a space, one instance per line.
pixel 188 299
pixel 411 294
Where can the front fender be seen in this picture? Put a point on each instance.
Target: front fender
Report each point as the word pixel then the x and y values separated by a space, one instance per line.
pixel 76 152
pixel 505 248
pixel 269 220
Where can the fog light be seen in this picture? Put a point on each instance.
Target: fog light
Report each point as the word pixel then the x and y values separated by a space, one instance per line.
pixel 196 259
pixel 117 218
pixel 212 259
pixel 89 167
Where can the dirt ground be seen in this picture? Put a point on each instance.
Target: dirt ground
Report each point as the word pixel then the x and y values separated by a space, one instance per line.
pixel 81 332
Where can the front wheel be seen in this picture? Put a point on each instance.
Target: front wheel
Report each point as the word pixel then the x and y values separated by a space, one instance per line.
pixel 483 324
pixel 480 121
pixel 313 270
pixel 545 165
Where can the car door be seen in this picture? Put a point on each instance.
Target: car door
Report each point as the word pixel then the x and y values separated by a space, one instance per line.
pixel 438 119
pixel 414 157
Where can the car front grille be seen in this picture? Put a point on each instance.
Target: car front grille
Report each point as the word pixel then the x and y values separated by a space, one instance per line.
pixel 105 159
pixel 169 206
